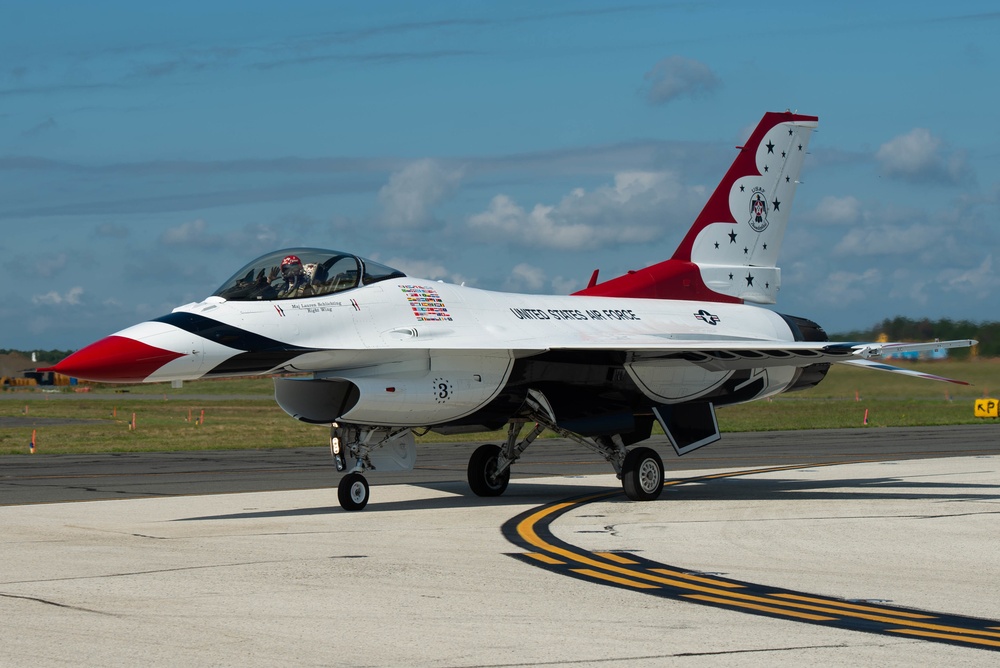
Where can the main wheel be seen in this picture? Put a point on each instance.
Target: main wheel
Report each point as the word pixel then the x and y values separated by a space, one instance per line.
pixel 642 474
pixel 483 477
pixel 353 491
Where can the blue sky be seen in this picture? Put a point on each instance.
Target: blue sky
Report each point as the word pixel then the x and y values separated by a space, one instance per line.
pixel 149 151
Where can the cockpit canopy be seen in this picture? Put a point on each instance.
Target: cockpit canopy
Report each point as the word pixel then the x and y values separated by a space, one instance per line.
pixel 296 273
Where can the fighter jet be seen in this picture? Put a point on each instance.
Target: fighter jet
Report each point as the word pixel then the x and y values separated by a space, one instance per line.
pixel 378 355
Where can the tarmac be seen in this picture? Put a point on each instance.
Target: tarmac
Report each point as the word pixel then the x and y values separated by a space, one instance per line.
pixel 430 576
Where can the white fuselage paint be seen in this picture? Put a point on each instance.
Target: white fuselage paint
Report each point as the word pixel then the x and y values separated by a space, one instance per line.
pixel 404 341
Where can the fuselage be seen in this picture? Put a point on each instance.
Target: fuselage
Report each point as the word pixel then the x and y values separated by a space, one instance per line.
pixel 412 351
pixel 369 324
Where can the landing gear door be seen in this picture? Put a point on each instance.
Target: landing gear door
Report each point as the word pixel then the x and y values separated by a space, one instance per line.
pixel 399 454
pixel 688 426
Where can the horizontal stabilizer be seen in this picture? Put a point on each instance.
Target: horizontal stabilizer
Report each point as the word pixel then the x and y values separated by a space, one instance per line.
pixel 930 346
pixel 879 366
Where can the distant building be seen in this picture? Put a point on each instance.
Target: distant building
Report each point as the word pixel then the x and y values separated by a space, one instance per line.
pixel 18 371
pixel 937 354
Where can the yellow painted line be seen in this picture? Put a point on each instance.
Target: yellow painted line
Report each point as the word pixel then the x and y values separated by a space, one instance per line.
pixel 789 608
pixel 763 608
pixel 612 578
pixel 947 636
pixel 544 558
pixel 625 576
pixel 855 606
pixel 616 557
pixel 771 469
pixel 884 618
pixel 526 529
pixel 698 578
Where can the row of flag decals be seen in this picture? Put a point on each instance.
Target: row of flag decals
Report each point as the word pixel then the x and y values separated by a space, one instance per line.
pixel 426 303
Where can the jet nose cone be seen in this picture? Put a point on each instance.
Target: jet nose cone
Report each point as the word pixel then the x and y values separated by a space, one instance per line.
pixel 115 359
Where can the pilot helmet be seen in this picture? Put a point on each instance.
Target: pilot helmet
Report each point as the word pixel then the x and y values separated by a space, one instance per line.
pixel 291 266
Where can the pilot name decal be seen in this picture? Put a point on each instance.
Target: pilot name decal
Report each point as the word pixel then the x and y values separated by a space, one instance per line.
pixel 426 303
pixel 758 210
pixel 317 307
pixel 573 314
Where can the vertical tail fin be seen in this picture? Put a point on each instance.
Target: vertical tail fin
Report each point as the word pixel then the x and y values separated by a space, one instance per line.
pixel 731 251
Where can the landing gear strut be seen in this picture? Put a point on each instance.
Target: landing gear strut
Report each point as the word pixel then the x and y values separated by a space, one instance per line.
pixel 359 442
pixel 489 466
pixel 640 469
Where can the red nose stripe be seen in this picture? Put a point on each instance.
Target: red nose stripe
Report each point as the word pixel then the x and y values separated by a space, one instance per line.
pixel 115 359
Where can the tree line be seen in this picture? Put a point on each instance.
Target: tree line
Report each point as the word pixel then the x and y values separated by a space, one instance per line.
pixel 43 356
pixel 908 329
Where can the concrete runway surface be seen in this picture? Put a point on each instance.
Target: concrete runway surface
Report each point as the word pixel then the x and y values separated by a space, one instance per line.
pixel 428 575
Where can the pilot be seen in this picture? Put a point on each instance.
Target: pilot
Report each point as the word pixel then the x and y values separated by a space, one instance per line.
pixel 297 280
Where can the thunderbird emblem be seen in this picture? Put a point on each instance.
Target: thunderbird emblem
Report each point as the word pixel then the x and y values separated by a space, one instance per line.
pixel 758 210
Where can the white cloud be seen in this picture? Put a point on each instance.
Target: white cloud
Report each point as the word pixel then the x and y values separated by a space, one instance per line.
pixel 50 265
pixel 585 220
pixel 842 288
pixel 565 286
pixel 256 236
pixel 979 280
pixel 838 210
pixel 111 231
pixel 804 275
pixel 190 233
pixel 889 240
pixel 406 201
pixel 53 298
pixel 908 285
pixel 525 278
pixel 676 76
pixel 425 269
pixel 920 157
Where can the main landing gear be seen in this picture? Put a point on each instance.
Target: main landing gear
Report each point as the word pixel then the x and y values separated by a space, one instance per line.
pixel 640 469
pixel 485 478
pixel 642 474
pixel 392 448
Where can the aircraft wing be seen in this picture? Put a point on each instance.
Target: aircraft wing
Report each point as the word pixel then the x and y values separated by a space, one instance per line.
pixel 728 355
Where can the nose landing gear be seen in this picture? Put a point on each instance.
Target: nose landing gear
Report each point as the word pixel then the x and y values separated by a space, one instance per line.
pixel 352 492
pixel 391 448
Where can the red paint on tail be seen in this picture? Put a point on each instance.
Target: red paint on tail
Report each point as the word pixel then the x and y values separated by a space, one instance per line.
pixel 679 277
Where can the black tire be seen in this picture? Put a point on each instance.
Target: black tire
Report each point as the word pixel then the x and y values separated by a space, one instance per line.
pixel 483 478
pixel 353 492
pixel 642 474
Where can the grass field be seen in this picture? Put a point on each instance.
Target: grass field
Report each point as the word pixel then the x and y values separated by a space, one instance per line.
pixel 254 421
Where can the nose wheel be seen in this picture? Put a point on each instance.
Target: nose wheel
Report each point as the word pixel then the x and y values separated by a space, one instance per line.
pixel 353 492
